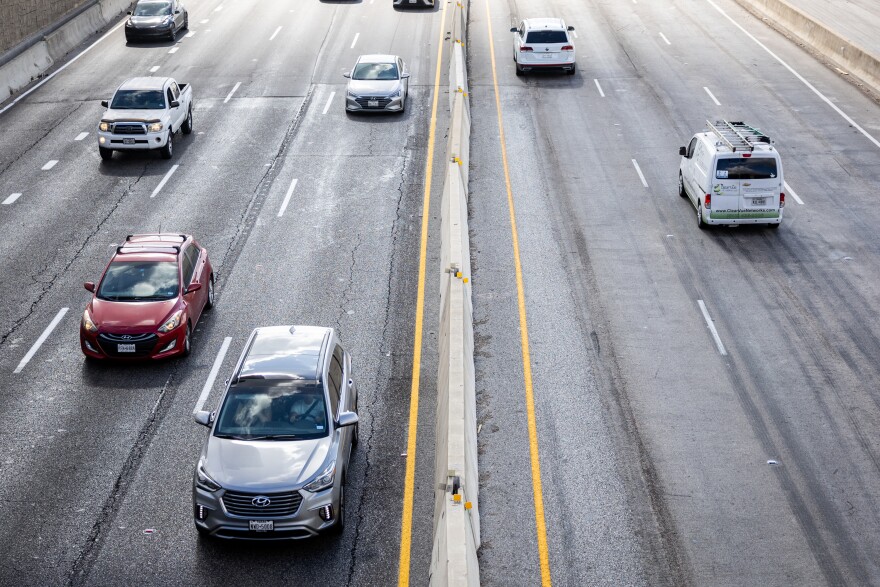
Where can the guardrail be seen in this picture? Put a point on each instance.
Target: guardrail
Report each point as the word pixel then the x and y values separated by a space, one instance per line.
pixel 456 510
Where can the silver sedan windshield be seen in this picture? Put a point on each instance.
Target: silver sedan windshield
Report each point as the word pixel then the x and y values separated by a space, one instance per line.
pixel 375 71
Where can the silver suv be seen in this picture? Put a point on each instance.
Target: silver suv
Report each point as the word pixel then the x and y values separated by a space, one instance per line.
pixel 275 462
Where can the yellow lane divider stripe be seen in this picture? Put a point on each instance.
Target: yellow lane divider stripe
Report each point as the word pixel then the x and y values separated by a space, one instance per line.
pixel 540 523
pixel 410 478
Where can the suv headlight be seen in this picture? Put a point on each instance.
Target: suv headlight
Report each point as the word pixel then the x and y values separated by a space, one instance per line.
pixel 173 322
pixel 154 127
pixel 204 481
pixel 87 322
pixel 323 480
pixel 104 127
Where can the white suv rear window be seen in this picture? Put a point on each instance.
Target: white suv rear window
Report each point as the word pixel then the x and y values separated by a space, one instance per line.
pixel 546 37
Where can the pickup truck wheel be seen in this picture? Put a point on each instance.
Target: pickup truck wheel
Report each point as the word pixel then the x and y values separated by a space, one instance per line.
pixel 168 149
pixel 188 123
pixel 106 154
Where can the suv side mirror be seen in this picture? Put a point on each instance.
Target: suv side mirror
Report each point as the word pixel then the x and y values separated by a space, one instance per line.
pixel 175 104
pixel 204 417
pixel 347 419
pixel 570 28
pixel 513 29
pixel 105 103
pixel 346 74
pixel 90 286
pixel 682 151
pixel 129 13
pixel 404 75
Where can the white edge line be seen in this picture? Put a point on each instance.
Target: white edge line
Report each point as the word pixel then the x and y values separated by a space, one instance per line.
pixel 639 171
pixel 164 180
pixel 278 30
pixel 12 198
pixel 30 354
pixel 711 325
pixel 232 91
pixel 215 368
pixel 81 136
pixel 62 68
pixel 662 36
pixel 598 87
pixel 327 106
pixel 792 193
pixel 287 198
pixel 799 76
pixel 356 35
pixel 711 95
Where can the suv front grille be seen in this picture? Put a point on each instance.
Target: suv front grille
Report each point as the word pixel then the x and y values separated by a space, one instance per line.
pixel 143 344
pixel 129 128
pixel 280 504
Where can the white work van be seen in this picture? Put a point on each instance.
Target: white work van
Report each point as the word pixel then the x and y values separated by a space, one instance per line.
pixel 732 174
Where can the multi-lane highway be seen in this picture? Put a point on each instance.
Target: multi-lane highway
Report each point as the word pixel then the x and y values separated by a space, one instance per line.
pixel 310 216
pixel 705 402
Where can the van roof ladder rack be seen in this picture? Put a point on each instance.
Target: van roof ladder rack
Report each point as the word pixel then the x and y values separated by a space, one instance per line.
pixel 739 136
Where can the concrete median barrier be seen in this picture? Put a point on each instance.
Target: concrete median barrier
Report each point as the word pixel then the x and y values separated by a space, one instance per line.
pixel 821 37
pixel 456 509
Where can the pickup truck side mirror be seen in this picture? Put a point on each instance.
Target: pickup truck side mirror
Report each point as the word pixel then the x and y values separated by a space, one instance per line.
pixel 177 11
pixel 682 151
pixel 346 74
pixel 90 286
pixel 105 103
pixel 175 104
pixel 404 76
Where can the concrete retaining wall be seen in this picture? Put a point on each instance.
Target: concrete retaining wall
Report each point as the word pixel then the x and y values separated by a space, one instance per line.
pixel 23 18
pixel 456 509
pixel 821 37
pixel 32 59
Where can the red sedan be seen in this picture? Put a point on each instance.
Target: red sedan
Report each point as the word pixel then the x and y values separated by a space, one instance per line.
pixel 149 299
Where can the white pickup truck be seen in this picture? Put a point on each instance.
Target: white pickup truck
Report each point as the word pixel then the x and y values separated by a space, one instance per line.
pixel 144 113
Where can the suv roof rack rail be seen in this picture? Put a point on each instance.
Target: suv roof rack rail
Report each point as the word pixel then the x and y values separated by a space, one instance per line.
pixel 129 248
pixel 739 136
pixel 182 237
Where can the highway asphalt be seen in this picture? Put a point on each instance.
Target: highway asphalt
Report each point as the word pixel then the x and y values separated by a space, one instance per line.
pixel 663 459
pixel 96 461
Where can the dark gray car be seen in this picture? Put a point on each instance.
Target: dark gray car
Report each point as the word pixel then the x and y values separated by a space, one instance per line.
pixel 275 463
pixel 156 19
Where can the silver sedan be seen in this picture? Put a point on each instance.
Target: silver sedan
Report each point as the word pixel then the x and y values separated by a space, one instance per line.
pixel 377 83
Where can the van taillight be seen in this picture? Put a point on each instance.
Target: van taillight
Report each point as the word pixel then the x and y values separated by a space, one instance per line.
pixel 521 49
pixel 781 199
pixel 568 48
pixel 707 201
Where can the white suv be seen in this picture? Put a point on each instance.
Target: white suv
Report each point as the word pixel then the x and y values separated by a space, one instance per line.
pixel 543 43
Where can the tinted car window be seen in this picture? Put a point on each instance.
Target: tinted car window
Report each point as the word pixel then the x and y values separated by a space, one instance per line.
pixel 139 280
pixel 378 71
pixel 152 9
pixel 749 168
pixel 138 100
pixel 187 269
pixel 547 37
pixel 335 383
pixel 280 411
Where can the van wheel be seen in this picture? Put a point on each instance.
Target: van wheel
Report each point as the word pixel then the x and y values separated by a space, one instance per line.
pixel 775 226
pixel 681 191
pixel 700 222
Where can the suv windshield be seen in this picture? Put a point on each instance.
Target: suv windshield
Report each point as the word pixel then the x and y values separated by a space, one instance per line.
pixel 546 37
pixel 386 71
pixel 273 410
pixel 138 100
pixel 750 168
pixel 152 9
pixel 136 281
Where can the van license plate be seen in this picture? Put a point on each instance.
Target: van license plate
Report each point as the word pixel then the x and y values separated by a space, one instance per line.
pixel 125 348
pixel 758 201
pixel 127 141
pixel 372 103
pixel 262 525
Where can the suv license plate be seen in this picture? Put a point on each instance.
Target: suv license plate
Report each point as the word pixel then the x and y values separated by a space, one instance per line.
pixel 759 201
pixel 125 348
pixel 127 141
pixel 548 55
pixel 372 103
pixel 262 525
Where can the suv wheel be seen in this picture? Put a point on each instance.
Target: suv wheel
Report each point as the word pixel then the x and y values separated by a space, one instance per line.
pixel 340 510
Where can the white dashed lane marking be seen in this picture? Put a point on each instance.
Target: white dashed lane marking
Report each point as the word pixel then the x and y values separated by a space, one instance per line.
pixel 598 87
pixel 327 106
pixel 356 35
pixel 287 198
pixel 11 199
pixel 711 95
pixel 234 88
pixel 662 36
pixel 164 180
pixel 639 171
pixel 792 193
pixel 275 34
pixel 50 165
pixel 215 368
pixel 81 136
pixel 30 354
pixel 711 326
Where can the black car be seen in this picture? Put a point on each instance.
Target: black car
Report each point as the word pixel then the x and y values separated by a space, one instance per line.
pixel 156 19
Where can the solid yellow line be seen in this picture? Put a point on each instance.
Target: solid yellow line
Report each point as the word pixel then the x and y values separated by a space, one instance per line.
pixel 410 478
pixel 540 523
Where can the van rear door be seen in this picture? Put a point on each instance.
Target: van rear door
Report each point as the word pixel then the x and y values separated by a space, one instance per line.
pixel 754 179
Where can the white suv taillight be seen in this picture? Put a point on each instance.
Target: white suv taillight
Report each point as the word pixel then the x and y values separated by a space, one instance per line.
pixel 524 48
pixel 568 48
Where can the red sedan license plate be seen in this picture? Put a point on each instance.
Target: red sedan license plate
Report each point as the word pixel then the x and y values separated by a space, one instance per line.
pixel 262 525
pixel 125 348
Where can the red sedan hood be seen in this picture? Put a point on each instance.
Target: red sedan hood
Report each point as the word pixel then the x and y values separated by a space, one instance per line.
pixel 130 317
